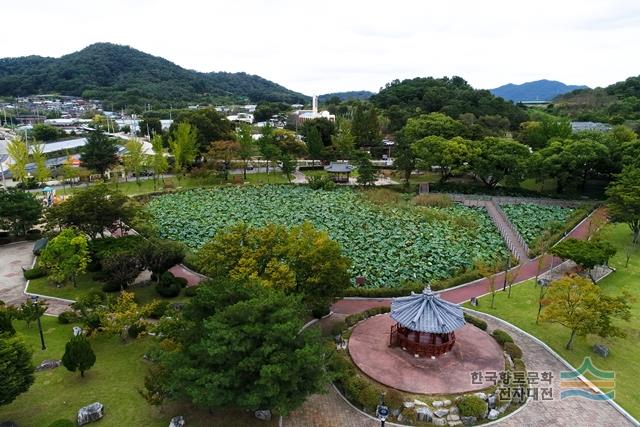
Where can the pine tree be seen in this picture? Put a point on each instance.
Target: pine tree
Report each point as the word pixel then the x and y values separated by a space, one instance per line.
pixel 16 369
pixel 78 355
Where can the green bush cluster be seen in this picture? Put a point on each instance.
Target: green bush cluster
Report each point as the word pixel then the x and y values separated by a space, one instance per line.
pixel 321 182
pixel 518 365
pixel 357 317
pixel 478 323
pixel 34 273
pixel 190 291
pixel 68 316
pixel 472 406
pixel 362 392
pixel 169 285
pixel 136 329
pixel 513 350
pixel 320 310
pixel 501 336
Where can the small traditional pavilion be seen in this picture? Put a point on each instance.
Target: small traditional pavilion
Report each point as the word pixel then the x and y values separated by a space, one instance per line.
pixel 339 171
pixel 425 323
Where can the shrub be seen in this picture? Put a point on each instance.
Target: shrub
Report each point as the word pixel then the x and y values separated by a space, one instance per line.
pixel 157 309
pixel 94 266
pixel 357 317
pixel 320 310
pixel 34 234
pixel 472 406
pixel 110 287
pixel 190 291
pixel 393 398
pixel 34 273
pixel 513 350
pixel 361 392
pixel 136 329
pixel 478 323
pixel 518 365
pixel 501 336
pixel 68 316
pixel 169 286
pixel 433 200
pixel 338 328
pixel 382 196
pixel 341 366
pixel 62 423
pixel 321 182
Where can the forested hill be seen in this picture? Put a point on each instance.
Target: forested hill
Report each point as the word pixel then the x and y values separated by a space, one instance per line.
pixel 346 96
pixel 123 76
pixel 618 103
pixel 453 96
pixel 539 90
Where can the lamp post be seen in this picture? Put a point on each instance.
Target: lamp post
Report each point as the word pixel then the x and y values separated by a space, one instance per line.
pixel 35 301
pixel 382 411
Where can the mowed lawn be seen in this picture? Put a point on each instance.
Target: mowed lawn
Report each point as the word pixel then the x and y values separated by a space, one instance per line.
pixel 114 381
pixel 623 358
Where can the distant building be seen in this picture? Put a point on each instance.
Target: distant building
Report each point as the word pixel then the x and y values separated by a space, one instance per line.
pixel 300 116
pixel 592 126
pixel 241 118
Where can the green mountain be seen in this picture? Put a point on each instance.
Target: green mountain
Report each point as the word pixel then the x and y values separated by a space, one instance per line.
pixel 126 77
pixel 346 96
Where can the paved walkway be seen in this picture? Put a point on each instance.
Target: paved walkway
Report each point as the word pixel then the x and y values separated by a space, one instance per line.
pixel 13 258
pixel 565 412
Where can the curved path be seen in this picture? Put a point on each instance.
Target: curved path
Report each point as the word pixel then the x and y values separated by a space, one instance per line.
pixel 13 258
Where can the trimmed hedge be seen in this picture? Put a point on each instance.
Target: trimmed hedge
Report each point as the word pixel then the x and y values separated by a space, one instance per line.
pixel 478 323
pixel 357 317
pixel 34 273
pixel 472 406
pixel 518 365
pixel 501 336
pixel 67 317
pixel 169 286
pixel 513 350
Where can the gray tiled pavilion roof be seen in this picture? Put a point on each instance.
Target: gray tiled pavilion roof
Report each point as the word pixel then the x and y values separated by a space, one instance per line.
pixel 426 312
pixel 339 167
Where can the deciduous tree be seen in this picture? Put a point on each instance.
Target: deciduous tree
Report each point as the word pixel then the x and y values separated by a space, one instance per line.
pixel 586 253
pixel 584 308
pixel 624 200
pixel 182 145
pixel 19 211
pixel 66 256
pixel 19 153
pixel 134 158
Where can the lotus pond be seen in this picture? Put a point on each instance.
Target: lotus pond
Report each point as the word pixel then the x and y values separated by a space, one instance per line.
pixel 533 220
pixel 386 244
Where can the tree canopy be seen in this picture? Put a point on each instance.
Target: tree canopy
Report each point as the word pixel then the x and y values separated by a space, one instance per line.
pixel 99 153
pixel 19 211
pixel 209 126
pixel 66 256
pixel 624 200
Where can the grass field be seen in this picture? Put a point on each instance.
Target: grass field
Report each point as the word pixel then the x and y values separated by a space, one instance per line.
pixel 521 310
pixel 114 381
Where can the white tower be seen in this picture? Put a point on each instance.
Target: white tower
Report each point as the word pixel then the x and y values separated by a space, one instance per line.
pixel 314 104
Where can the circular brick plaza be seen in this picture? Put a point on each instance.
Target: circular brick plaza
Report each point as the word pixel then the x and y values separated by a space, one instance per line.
pixel 474 351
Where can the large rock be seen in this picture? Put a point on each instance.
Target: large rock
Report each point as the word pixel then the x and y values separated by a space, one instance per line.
pixel 446 402
pixel 90 413
pixel 419 402
pixel 454 423
pixel 454 410
pixel 48 364
pixel 493 414
pixel 439 422
pixel 263 415
pixel 503 408
pixel 441 413
pixel 437 404
pixel 452 417
pixel 177 421
pixel 601 350
pixel 491 400
pixel 424 414
pixel 77 330
pixel 469 421
pixel 408 404
pixel 481 395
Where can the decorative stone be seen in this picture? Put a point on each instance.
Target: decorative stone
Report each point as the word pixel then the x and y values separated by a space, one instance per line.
pixel 601 350
pixel 455 423
pixel 77 330
pixel 469 421
pixel 177 421
pixel 90 413
pixel 452 417
pixel 48 364
pixel 408 404
pixel 419 402
pixel 503 408
pixel 493 414
pixel 441 412
pixel 424 414
pixel 454 410
pixel 481 395
pixel 263 415
pixel 491 400
pixel 437 404
pixel 439 422
pixel 447 402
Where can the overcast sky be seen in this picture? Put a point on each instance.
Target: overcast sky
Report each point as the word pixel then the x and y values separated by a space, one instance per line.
pixel 328 46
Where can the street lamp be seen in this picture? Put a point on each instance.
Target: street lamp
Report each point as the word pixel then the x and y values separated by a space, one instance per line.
pixel 382 411
pixel 35 301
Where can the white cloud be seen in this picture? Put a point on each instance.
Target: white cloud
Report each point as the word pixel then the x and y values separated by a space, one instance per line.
pixel 318 47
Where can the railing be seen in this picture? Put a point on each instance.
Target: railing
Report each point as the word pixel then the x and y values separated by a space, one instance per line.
pixel 398 339
pixel 512 227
